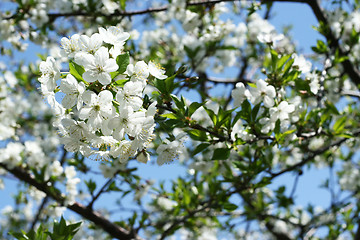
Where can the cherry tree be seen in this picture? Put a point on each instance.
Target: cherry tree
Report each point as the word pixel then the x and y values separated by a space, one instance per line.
pixel 94 93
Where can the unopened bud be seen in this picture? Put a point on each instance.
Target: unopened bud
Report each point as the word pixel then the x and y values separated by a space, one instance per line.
pixel 182 69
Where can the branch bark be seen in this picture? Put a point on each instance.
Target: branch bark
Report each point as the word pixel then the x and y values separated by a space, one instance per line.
pixel 94 216
pixel 357 234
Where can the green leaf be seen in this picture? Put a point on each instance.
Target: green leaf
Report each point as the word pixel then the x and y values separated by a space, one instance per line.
pixel 160 85
pixel 340 124
pixel 288 66
pixel 123 61
pixel 113 187
pixel 236 118
pixel 197 135
pixel 274 58
pixel 246 111
pixel 253 85
pixel 223 117
pixel 169 82
pixel 191 53
pixel 345 135
pixel 282 61
pixel 221 154
pixel 331 108
pixel 230 207
pixel 76 70
pixel 179 103
pixel 226 47
pixel 172 123
pixel 19 236
pixel 201 147
pixel 193 107
pixel 277 127
pixel 120 82
pixel 169 115
pixel 123 4
pixel 91 185
pixel 62 231
pixel 187 198
pixel 255 111
pixel 320 47
pixel 211 114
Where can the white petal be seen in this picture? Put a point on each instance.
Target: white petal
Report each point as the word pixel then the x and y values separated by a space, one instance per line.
pixel 110 65
pixel 268 102
pixel 90 76
pixel 69 84
pixel 69 101
pixel 90 98
pixel 84 113
pixel 270 91
pixel 105 97
pixel 101 56
pixel 104 78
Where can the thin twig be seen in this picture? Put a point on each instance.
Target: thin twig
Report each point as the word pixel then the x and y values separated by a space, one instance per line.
pixel 37 217
pixel 313 154
pixel 102 190
pixel 132 13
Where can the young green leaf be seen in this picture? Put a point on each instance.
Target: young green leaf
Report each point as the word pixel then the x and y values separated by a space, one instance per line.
pixel 123 61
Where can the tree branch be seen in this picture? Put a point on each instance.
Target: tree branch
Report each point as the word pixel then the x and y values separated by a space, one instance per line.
pixel 112 229
pixel 357 234
pixel 37 217
pixel 90 205
pixel 133 13
pixel 313 154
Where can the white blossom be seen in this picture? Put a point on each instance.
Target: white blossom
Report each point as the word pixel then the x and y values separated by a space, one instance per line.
pixel 73 90
pixel 239 94
pixel 114 35
pixel 263 92
pixel 90 44
pixel 156 70
pixel 168 151
pixel 71 45
pixel 99 67
pixel 50 73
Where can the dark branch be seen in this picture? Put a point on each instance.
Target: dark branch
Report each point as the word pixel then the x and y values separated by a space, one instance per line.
pixel 94 216
pixel 357 234
pixel 133 13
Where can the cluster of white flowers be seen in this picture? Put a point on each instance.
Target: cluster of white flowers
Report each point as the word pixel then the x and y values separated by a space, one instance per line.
pixel 265 93
pixel 8 112
pixel 35 16
pixel 349 176
pixel 72 181
pixel 101 113
pixel 203 30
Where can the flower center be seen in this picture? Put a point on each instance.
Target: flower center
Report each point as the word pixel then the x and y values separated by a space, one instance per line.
pixel 97 108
